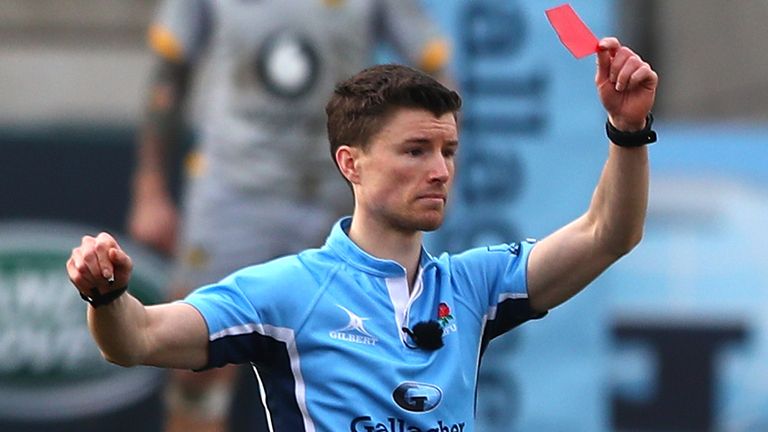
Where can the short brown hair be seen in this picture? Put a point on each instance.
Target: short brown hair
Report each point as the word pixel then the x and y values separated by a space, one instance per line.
pixel 361 105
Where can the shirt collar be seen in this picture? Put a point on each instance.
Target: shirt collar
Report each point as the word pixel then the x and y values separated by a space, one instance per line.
pixel 351 253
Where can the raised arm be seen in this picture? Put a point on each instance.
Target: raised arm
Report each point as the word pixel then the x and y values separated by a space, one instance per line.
pixel 128 333
pixel 568 260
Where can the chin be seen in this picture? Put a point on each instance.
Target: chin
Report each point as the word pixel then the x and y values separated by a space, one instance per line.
pixel 430 228
pixel 430 223
pixel 423 221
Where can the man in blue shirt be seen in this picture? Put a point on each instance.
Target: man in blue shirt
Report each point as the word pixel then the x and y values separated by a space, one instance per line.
pixel 371 333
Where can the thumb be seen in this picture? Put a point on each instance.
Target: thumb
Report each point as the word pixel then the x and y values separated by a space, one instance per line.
pixel 606 50
pixel 120 260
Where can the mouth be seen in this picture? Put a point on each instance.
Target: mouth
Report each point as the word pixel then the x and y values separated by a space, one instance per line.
pixel 433 197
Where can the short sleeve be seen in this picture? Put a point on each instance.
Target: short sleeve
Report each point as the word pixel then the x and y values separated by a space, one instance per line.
pixel 255 310
pixel 497 276
pixel 404 24
pixel 232 322
pixel 180 29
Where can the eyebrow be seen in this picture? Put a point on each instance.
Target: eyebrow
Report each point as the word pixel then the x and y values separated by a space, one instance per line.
pixel 416 140
pixel 420 140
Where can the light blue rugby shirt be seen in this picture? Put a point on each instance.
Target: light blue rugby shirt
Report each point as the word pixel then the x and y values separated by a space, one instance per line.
pixel 323 332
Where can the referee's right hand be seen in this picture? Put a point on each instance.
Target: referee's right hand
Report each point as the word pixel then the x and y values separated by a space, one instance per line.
pixel 99 263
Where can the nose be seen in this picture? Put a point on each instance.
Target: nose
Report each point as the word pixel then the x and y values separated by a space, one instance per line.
pixel 440 168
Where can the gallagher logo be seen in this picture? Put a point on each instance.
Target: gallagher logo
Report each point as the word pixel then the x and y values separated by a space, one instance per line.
pixel 417 397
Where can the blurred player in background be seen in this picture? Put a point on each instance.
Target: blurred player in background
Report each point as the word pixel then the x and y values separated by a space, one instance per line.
pixel 258 182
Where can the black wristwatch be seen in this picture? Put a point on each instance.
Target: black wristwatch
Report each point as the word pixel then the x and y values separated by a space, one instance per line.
pixel 97 299
pixel 639 138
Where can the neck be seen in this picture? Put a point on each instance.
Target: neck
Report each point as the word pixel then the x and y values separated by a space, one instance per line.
pixel 403 247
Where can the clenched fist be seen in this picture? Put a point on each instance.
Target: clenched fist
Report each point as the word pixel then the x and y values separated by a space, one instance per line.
pixel 99 267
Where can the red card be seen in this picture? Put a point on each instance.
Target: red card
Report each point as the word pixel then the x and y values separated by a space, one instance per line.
pixel 573 33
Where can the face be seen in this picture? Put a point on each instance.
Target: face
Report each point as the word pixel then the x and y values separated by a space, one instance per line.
pixel 402 179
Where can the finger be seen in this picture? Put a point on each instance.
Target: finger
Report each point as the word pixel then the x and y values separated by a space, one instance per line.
pixel 121 261
pixel 609 43
pixel 107 239
pixel 606 50
pixel 91 262
pixel 74 275
pixel 630 66
pixel 88 255
pixel 644 76
pixel 103 243
pixel 619 60
pixel 79 272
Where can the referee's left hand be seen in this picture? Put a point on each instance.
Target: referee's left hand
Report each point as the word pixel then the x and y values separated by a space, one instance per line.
pixel 626 85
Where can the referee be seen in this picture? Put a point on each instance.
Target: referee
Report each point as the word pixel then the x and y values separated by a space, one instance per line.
pixel 372 333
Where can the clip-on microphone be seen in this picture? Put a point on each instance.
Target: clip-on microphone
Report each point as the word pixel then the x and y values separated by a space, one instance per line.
pixel 427 335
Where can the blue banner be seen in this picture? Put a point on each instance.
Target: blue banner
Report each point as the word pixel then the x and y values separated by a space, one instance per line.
pixel 688 321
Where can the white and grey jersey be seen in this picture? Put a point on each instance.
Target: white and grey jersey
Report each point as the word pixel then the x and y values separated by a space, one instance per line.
pixel 272 65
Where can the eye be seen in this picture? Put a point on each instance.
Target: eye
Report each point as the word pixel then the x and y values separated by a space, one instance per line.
pixel 416 151
pixel 449 152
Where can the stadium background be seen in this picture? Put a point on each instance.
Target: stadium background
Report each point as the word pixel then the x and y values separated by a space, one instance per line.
pixel 674 337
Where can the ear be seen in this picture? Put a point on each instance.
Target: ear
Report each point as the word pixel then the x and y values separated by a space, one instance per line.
pixel 347 160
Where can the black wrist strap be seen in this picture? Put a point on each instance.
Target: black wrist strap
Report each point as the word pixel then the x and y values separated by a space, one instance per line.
pixel 639 138
pixel 97 299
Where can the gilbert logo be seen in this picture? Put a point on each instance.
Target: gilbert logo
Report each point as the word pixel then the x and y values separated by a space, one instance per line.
pixel 355 331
